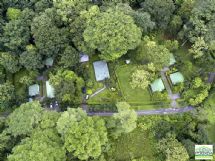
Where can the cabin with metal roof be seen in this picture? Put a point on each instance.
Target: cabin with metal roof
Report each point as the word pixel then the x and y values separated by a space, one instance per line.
pixel 101 70
pixel 157 85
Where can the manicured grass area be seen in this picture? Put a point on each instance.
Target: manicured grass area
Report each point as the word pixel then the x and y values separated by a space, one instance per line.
pixel 136 95
pixel 136 144
pixel 105 97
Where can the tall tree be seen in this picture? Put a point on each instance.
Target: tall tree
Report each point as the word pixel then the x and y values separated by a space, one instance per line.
pixel 70 9
pixel 31 59
pixel 7 95
pixel 67 86
pixel 43 145
pixel 16 33
pixel 84 136
pixel 140 79
pixel 69 57
pixel 149 51
pixel 9 62
pixel 172 149
pixel 24 119
pixel 160 10
pixel 49 39
pixel 112 33
pixel 124 121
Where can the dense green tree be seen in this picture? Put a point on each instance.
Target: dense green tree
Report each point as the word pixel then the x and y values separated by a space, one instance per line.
pixel 31 59
pixel 172 149
pixel 49 120
pixel 149 51
pixel 49 39
pixel 201 21
pixel 160 10
pixel 7 94
pixel 25 77
pixel 112 33
pixel 197 92
pixel 140 79
pixel 69 57
pixel 78 26
pixel 42 5
pixel 24 119
pixel 185 9
pixel 175 24
pixel 122 122
pixel 142 19
pixel 13 13
pixel 199 48
pixel 67 86
pixel 16 33
pixel 9 62
pixel 69 9
pixel 32 4
pixel 43 145
pixel 7 142
pixel 83 136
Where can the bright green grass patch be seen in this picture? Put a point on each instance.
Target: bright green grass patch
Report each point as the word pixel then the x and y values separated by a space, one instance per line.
pixel 136 144
pixel 136 95
pixel 105 97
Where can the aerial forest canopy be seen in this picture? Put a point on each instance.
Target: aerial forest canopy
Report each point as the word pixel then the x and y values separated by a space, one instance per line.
pixel 106 80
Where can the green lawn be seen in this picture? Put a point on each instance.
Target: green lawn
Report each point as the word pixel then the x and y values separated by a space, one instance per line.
pixel 136 144
pixel 137 95
pixel 105 97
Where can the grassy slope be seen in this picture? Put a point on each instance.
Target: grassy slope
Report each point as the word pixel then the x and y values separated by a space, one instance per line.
pixel 211 117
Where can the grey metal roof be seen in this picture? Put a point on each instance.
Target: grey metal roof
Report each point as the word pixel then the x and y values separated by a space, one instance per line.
pixel 101 70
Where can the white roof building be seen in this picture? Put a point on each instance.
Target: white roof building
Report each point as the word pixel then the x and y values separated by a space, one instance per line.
pixel 49 90
pixel 83 58
pixel 101 70
pixel 34 90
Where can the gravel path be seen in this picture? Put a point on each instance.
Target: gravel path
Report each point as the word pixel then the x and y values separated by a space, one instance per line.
pixel 98 91
pixel 163 111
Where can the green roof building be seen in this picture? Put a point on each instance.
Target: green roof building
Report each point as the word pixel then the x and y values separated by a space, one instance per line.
pixel 157 85
pixel 49 90
pixel 34 90
pixel 176 78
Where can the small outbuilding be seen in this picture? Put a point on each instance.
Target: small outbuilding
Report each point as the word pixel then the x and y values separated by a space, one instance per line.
pixel 157 85
pixel 101 70
pixel 83 58
pixel 34 90
pixel 176 78
pixel 49 90
pixel 49 62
